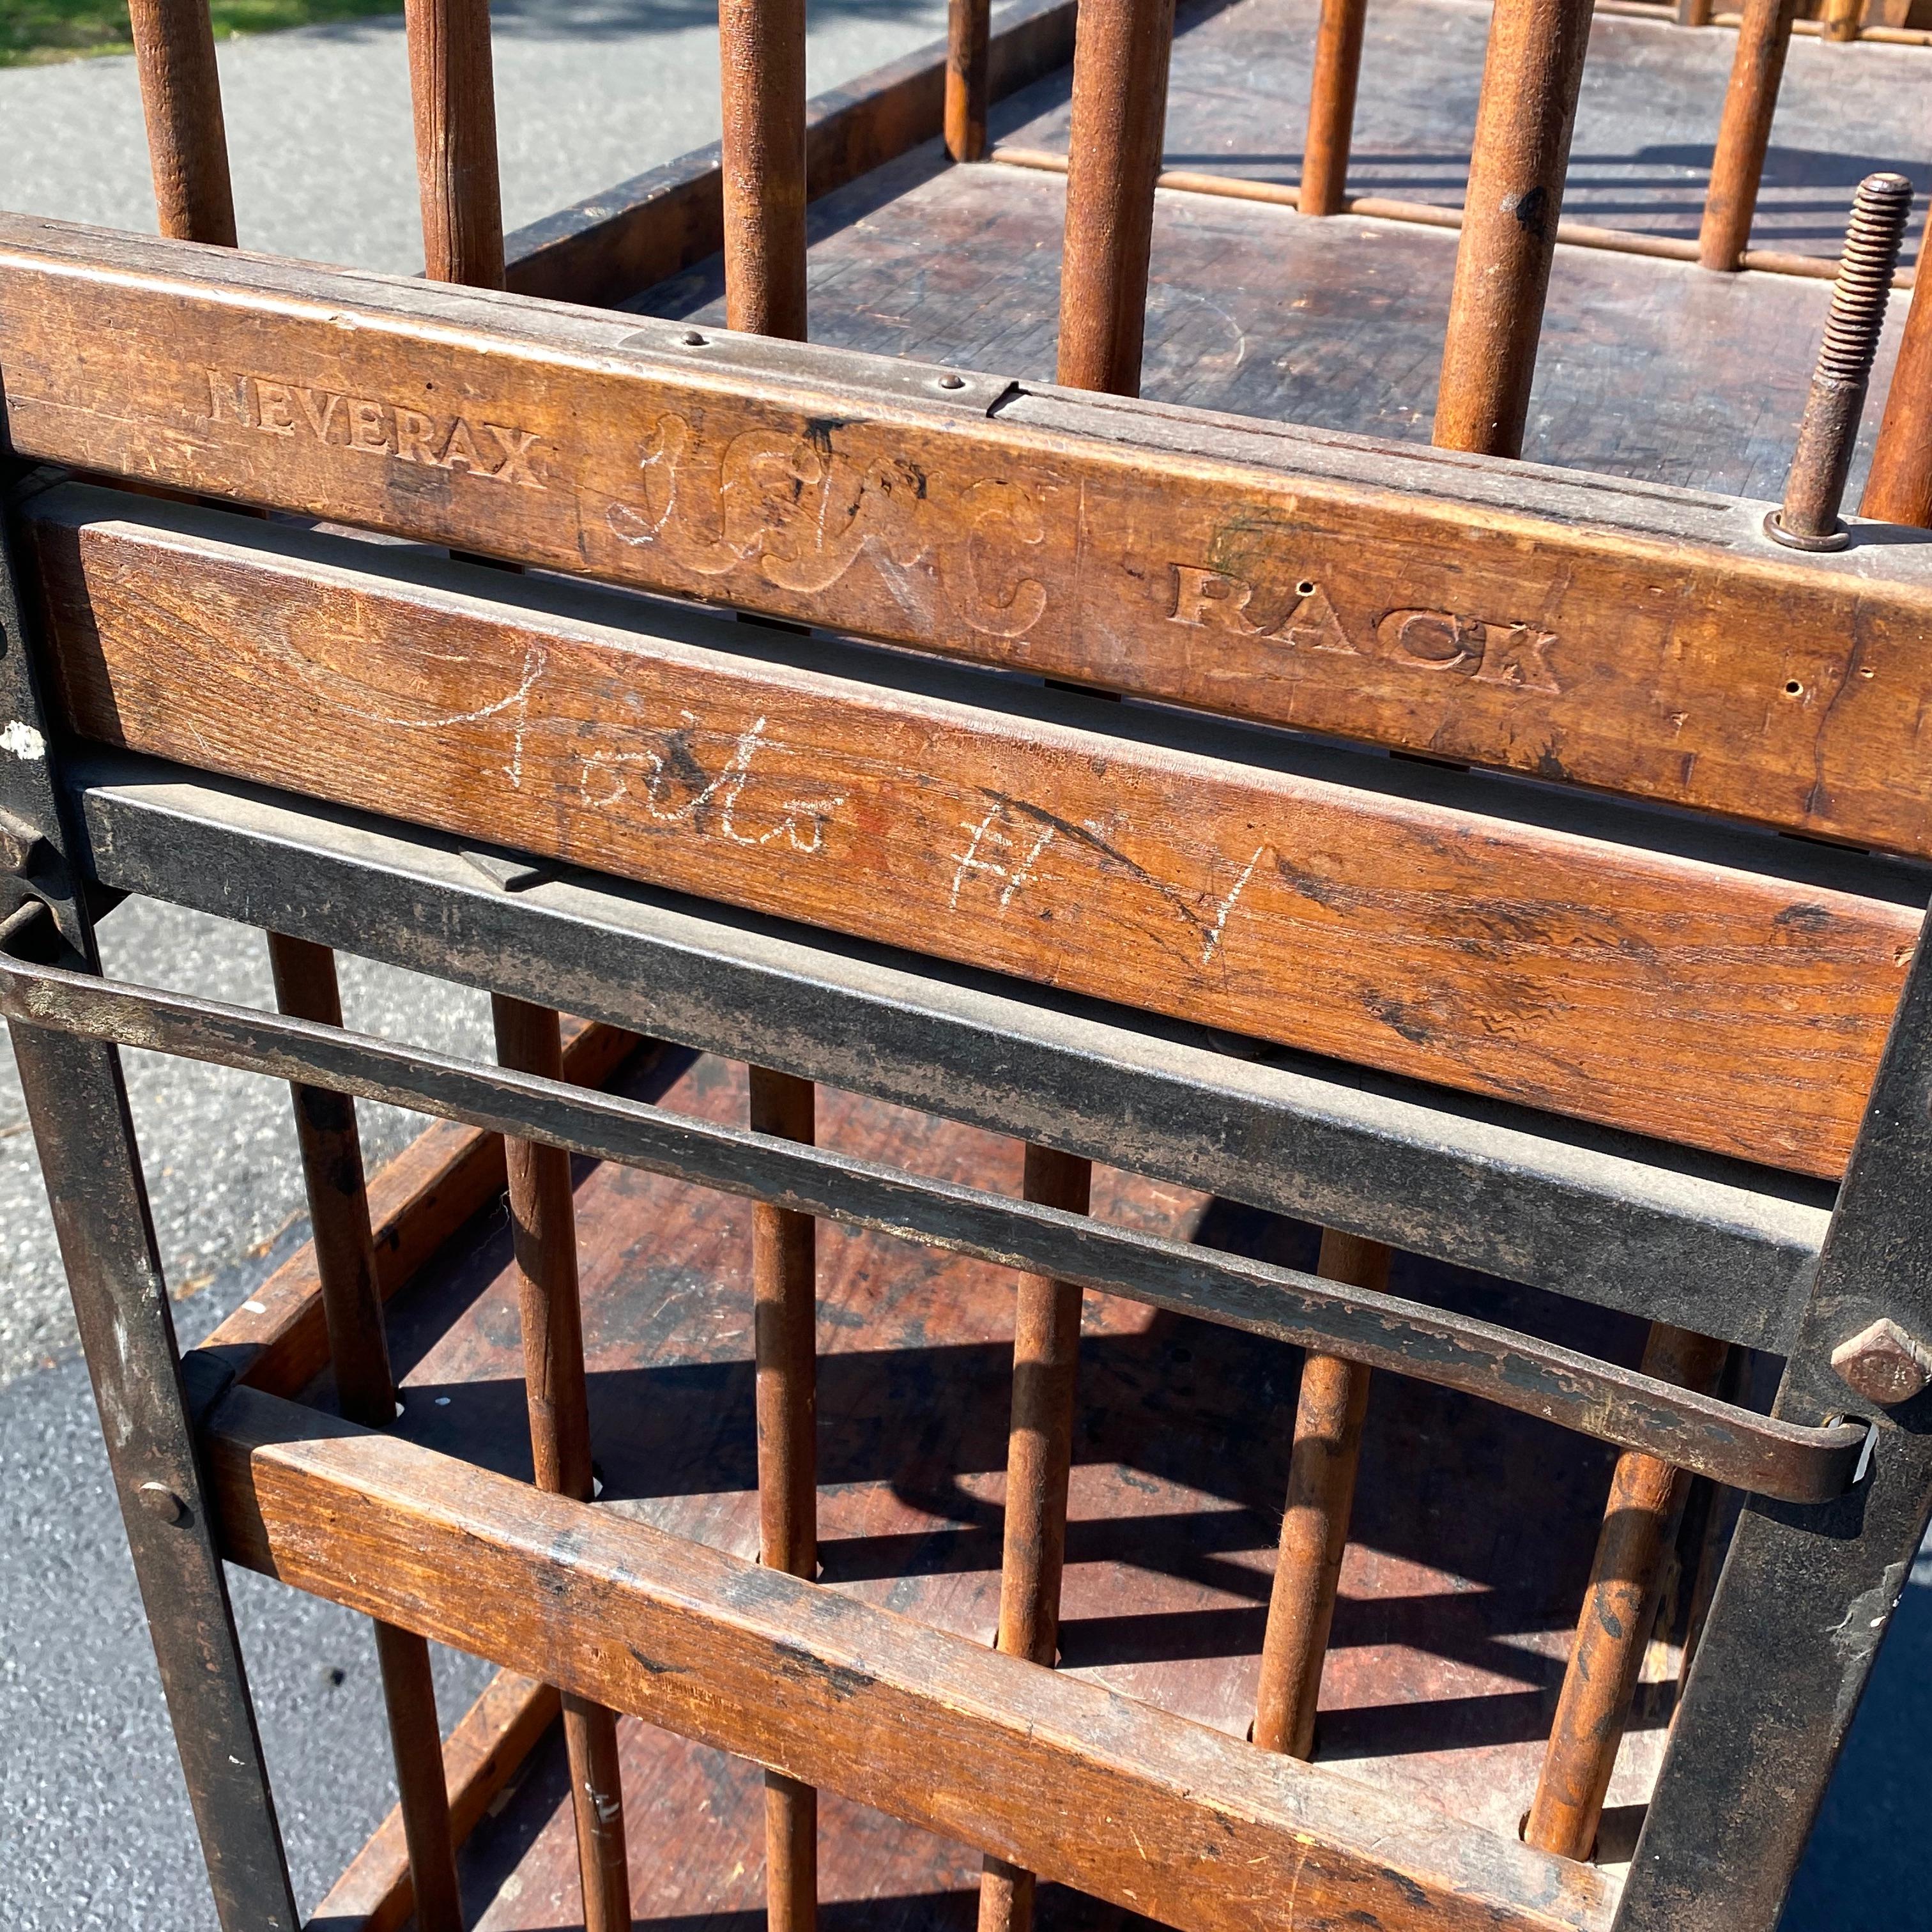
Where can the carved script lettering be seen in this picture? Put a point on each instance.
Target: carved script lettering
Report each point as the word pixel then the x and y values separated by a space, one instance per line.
pixel 799 512
pixel 1436 641
pixel 497 450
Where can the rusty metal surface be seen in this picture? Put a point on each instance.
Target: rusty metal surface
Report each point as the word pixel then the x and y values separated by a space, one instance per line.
pixel 1796 1462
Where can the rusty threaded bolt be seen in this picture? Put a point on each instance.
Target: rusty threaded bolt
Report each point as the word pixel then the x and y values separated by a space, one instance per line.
pixel 1816 486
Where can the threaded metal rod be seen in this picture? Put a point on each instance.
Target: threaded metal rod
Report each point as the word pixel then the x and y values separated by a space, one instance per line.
pixel 1808 519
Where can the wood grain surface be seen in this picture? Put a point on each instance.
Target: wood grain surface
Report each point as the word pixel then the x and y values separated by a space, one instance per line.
pixel 1169 1818
pixel 1723 1008
pixel 1634 638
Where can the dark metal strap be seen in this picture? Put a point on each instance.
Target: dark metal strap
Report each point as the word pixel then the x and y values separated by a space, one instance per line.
pixel 1777 1458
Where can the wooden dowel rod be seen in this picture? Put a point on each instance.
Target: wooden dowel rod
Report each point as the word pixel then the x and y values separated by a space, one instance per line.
pixel 1743 133
pixel 454 97
pixel 1840 20
pixel 1695 13
pixel 1315 1524
pixel 1039 1454
pixel 180 101
pixel 331 1159
pixel 785 1331
pixel 968 40
pixel 1524 116
pixel 1120 53
pixel 1619 1607
pixel 1899 489
pixel 1331 106
pixel 544 1235
pixel 761 68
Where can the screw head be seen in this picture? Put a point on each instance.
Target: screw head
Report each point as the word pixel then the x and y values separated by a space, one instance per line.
pixel 160 1502
pixel 1883 1364
pixel 952 382
pixel 692 338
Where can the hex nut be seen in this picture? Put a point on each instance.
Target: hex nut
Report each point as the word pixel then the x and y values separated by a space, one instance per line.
pixel 1883 1364
pixel 158 1500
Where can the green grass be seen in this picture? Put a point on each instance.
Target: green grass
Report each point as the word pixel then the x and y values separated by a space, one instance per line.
pixel 32 30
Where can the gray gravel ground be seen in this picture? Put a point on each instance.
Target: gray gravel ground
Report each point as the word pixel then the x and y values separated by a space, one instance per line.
pixel 95 1830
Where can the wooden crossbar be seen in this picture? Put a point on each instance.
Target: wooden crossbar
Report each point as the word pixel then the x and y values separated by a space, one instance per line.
pixel 1736 1010
pixel 1060 1776
pixel 1626 636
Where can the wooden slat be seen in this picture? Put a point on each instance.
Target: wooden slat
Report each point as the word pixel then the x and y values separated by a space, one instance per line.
pixel 1169 1819
pixel 278 1340
pixel 1618 635
pixel 480 1758
pixel 1719 1008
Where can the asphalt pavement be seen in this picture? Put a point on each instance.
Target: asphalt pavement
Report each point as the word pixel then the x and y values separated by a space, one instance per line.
pixel 95 1830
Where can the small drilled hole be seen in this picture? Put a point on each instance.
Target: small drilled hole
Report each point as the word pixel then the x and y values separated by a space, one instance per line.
pixel 692 339
pixel 952 382
pixel 1306 588
pixel 1794 689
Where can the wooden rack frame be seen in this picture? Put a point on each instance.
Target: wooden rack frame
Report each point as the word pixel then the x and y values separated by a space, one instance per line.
pixel 1759 1004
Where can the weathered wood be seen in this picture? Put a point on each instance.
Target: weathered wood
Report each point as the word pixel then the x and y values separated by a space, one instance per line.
pixel 1333 1399
pixel 1331 107
pixel 1619 1607
pixel 761 47
pixel 1040 1450
pixel 332 1161
pixel 454 95
pixel 1899 488
pixel 607 249
pixel 1119 108
pixel 181 100
pixel 1626 636
pixel 968 23
pixel 784 1316
pixel 278 1340
pixel 1530 77
pixel 480 1756
pixel 544 1235
pixel 1722 1008
pixel 1744 134
pixel 1211 1836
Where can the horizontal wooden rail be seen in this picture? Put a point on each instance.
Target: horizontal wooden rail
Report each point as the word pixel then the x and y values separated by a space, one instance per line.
pixel 1618 634
pixel 1433 215
pixel 1704 1003
pixel 277 1341
pixel 1058 1775
pixel 1795 1463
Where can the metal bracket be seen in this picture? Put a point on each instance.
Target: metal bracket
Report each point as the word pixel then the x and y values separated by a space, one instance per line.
pixel 34 844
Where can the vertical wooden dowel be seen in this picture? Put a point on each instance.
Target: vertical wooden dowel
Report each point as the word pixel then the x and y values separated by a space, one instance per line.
pixel 761 69
pixel 968 37
pixel 1743 133
pixel 180 101
pixel 1328 1416
pixel 453 92
pixel 1120 53
pixel 1331 106
pixel 1618 1609
pixel 784 1332
pixel 1039 1455
pixel 1899 489
pixel 345 1253
pixel 1841 20
pixel 1524 116
pixel 1696 13
pixel 544 1234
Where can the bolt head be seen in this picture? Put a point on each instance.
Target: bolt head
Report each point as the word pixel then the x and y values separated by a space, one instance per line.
pixel 1883 1364
pixel 160 1502
pixel 20 845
